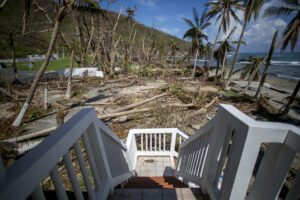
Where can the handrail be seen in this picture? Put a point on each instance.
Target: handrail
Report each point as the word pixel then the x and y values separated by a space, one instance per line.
pixel 25 175
pixel 221 156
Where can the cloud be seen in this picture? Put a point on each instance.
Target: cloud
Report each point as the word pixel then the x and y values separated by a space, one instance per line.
pixel 148 3
pixel 258 33
pixel 161 19
pixel 172 31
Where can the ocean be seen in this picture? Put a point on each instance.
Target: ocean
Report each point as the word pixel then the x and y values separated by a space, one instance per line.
pixel 284 65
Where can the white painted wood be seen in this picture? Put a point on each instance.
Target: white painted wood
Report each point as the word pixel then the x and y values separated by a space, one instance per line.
pixel 84 170
pixel 272 172
pixel 150 142
pixel 58 185
pixel 142 142
pixel 146 142
pixel 164 142
pixel 72 176
pixel 38 194
pixel 159 140
pixel 91 159
pixel 155 149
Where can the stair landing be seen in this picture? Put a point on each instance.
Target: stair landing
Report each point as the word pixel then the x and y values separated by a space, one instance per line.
pixel 155 181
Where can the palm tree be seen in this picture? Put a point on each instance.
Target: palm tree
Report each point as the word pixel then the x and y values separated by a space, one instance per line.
pixel 206 52
pixel 195 33
pixel 224 10
pixel 225 46
pixel 250 68
pixel 290 35
pixel 174 48
pixel 252 8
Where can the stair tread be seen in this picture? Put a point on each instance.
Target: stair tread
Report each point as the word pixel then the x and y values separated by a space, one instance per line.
pixel 155 182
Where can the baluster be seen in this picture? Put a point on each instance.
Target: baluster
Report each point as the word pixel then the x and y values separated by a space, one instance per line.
pixel 223 154
pixel 150 142
pixel 142 142
pixel 155 142
pixel 159 140
pixel 72 176
pixel 294 190
pixel 38 194
pixel 58 185
pixel 146 142
pixel 164 141
pixel 179 140
pixel 272 172
pixel 91 160
pixel 84 170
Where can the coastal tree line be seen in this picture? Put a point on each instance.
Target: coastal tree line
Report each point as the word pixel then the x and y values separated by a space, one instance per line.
pixel 101 45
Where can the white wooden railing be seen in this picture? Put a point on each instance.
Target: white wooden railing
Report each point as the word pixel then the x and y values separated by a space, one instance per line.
pixel 105 152
pixel 154 142
pixel 222 157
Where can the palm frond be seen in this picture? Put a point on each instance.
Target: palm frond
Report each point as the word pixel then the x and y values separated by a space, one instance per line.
pixel 196 16
pixel 189 22
pixel 278 11
pixel 235 17
pixel 231 32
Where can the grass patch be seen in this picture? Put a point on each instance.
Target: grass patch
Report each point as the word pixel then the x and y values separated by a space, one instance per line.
pixel 230 93
pixel 53 64
pixel 62 101
pixel 79 93
pixel 34 113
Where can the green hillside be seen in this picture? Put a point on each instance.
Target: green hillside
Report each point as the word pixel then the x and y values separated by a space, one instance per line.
pixel 36 43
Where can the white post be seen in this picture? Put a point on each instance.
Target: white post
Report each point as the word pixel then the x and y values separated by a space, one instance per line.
pixel 272 172
pixel 142 142
pixel 173 141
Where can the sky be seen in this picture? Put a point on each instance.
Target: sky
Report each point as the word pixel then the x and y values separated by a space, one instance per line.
pixel 166 15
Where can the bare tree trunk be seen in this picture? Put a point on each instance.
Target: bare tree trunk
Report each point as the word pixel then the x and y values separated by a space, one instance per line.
pixel 59 18
pixel 213 50
pixel 12 47
pixel 217 71
pixel 291 100
pixel 68 45
pixel 195 64
pixel 27 4
pixel 238 46
pixel 68 93
pixel 81 39
pixel 2 4
pixel 92 34
pixel 262 81
pixel 223 65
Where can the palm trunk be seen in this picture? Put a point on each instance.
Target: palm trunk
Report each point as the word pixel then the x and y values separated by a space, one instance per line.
pixel 238 46
pixel 195 64
pixel 213 50
pixel 217 70
pixel 12 47
pixel 265 59
pixel 223 64
pixel 68 93
pixel 262 81
pixel 59 18
pixel 292 98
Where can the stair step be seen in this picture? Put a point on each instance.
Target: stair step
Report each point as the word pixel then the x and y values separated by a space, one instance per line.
pixel 155 182
pixel 157 194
